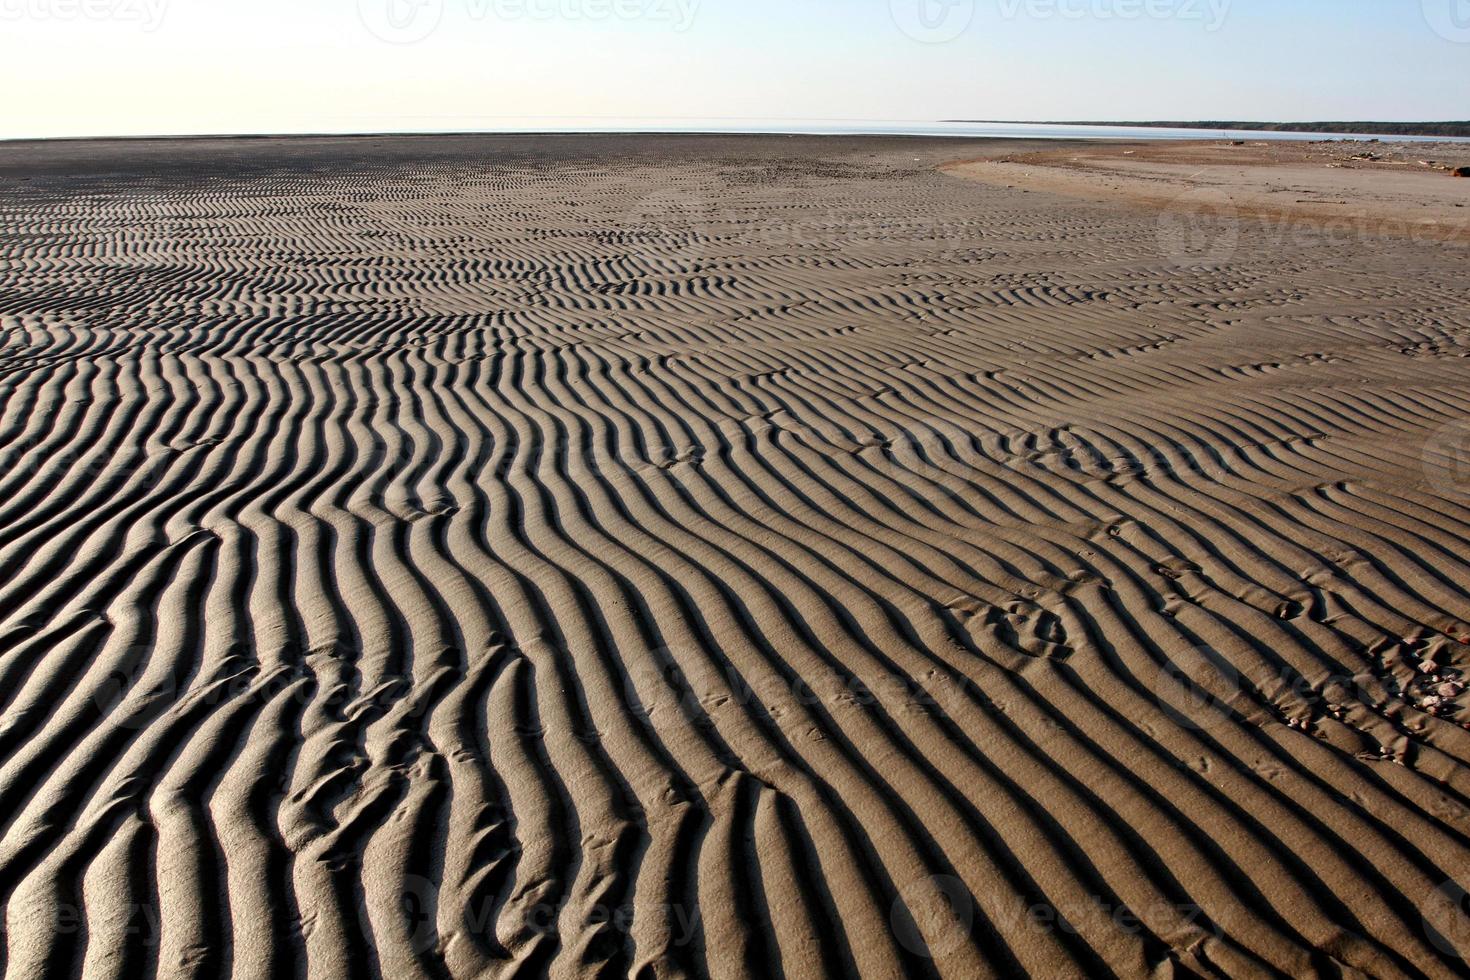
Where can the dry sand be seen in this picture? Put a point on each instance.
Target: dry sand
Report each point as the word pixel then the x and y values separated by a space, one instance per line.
pixel 730 556
pixel 1409 190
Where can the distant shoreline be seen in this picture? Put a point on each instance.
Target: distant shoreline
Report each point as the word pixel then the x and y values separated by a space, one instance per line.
pixel 959 129
pixel 1459 130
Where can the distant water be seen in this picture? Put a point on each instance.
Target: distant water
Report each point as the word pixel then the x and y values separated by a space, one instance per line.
pixel 345 125
pixel 852 128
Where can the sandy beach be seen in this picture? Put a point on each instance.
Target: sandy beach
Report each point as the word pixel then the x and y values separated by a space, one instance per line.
pixel 1347 189
pixel 733 556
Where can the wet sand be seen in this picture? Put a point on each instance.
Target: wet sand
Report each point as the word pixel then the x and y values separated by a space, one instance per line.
pixel 683 556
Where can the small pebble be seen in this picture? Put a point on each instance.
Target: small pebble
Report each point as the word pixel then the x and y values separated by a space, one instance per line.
pixel 1450 690
pixel 1428 667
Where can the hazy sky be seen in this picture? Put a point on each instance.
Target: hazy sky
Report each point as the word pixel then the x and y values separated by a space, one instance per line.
pixel 75 67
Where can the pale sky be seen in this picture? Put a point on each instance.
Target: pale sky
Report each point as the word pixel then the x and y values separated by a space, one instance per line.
pixel 128 67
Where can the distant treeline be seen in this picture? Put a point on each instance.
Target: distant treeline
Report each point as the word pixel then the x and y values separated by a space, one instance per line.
pixel 1455 129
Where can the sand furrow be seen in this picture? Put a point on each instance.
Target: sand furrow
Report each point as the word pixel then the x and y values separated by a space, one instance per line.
pixel 480 557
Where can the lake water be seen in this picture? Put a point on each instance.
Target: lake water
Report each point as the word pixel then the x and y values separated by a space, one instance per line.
pixel 423 124
pixel 991 130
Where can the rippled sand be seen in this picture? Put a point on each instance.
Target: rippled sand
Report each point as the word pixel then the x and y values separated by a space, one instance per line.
pixel 718 556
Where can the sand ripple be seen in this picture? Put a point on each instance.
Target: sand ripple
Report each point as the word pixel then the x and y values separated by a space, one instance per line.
pixel 479 558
